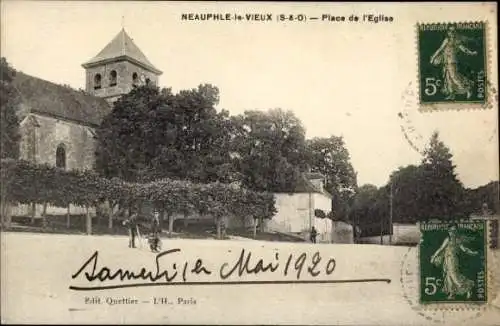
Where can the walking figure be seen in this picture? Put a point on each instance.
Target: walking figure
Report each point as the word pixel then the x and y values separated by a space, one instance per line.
pixel 132 225
pixel 447 257
pixel 314 233
pixel 446 56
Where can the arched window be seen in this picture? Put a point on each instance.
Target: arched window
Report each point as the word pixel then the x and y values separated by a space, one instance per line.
pixel 148 81
pixel 112 78
pixel 61 156
pixel 135 79
pixel 97 81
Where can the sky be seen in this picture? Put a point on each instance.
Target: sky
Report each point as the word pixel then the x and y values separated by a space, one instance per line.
pixel 347 79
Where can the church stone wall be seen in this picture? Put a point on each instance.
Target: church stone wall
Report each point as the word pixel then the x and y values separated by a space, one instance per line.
pixel 40 137
pixel 77 140
pixel 124 81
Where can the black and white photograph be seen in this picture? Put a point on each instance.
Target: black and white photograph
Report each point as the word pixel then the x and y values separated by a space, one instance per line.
pixel 253 163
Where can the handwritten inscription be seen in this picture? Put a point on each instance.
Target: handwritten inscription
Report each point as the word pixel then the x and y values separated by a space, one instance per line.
pixel 169 269
pixel 244 265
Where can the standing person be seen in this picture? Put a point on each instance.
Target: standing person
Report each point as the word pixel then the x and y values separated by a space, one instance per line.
pixel 131 224
pixel 314 233
pixel 154 240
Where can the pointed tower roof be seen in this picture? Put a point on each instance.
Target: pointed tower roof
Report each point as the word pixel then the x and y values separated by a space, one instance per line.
pixel 122 47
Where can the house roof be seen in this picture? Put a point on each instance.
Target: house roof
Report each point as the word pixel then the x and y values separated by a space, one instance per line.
pixel 314 175
pixel 122 47
pixel 44 97
pixel 304 185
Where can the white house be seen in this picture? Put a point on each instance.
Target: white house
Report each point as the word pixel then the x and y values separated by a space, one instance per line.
pixel 295 211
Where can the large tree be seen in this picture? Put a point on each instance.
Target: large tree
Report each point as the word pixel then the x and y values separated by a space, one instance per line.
pixel 9 127
pixel 152 133
pixel 269 149
pixel 370 210
pixel 330 157
pixel 407 194
pixel 484 199
pixel 442 194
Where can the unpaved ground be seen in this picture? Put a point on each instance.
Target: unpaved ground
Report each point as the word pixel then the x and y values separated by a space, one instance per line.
pixel 37 271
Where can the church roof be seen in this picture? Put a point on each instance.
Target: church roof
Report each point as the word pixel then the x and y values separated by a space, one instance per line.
pixel 122 47
pixel 44 97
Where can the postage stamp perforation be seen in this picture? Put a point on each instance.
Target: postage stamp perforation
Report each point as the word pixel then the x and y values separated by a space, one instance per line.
pixel 492 264
pixel 491 96
pixel 437 313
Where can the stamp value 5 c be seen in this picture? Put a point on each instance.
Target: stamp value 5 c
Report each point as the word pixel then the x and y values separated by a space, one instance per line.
pixel 453 262
pixel 452 63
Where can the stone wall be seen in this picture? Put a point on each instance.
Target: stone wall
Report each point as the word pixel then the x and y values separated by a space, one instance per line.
pixel 40 137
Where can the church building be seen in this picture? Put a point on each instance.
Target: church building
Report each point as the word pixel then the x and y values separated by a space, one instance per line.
pixel 57 123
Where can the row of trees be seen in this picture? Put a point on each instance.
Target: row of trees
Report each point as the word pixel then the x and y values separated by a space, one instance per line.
pixel 27 183
pixel 430 190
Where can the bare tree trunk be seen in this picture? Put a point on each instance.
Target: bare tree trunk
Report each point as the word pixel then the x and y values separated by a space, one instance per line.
pixel 381 232
pixel 170 223
pixel 33 213
pixel 68 219
pixel 3 207
pixel 44 215
pixel 255 228
pixel 6 213
pixel 111 214
pixel 185 221
pixel 89 220
pixel 162 218
pixel 218 226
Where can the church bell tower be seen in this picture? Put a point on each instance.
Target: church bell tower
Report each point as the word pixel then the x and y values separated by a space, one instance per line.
pixel 117 68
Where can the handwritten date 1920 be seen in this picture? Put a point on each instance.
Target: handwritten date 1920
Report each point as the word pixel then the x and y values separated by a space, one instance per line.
pixel 297 264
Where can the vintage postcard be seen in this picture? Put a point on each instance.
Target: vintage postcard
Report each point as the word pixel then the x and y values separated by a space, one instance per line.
pixel 249 163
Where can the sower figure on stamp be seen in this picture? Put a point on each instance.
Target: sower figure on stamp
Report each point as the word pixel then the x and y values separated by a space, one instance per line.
pixel 314 233
pixel 454 83
pixel 455 283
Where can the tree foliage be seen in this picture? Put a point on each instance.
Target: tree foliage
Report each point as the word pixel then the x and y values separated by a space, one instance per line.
pixel 152 133
pixel 330 157
pixel 430 190
pixel 441 192
pixel 9 123
pixel 269 149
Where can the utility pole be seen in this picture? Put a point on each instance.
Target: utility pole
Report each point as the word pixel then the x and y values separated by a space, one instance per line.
pixel 390 217
pixel 382 229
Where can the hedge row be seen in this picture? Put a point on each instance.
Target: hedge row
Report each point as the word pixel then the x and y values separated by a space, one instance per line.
pixel 24 182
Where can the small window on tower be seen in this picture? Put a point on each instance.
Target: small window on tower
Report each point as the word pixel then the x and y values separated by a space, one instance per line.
pixel 97 81
pixel 112 78
pixel 135 79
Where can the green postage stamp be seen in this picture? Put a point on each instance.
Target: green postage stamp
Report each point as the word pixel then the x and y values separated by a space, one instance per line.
pixel 452 63
pixel 453 262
